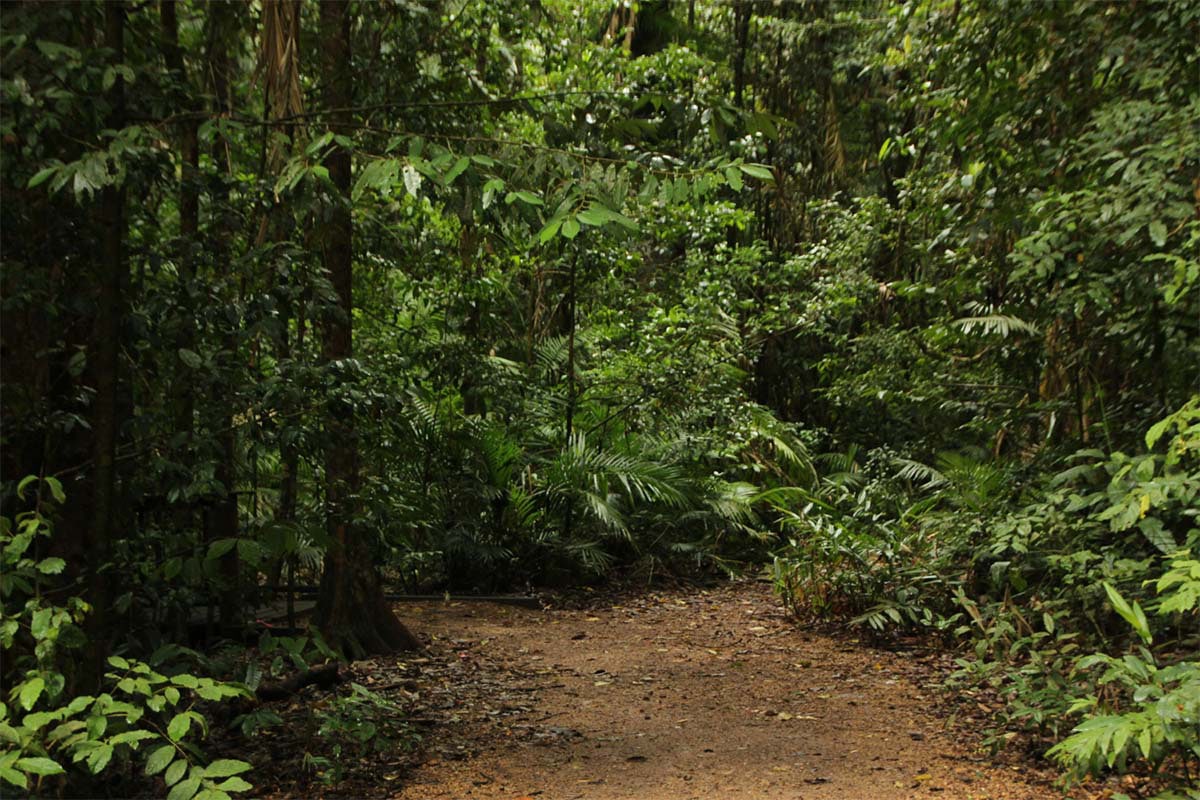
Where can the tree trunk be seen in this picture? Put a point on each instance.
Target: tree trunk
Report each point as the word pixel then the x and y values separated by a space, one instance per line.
pixel 472 266
pixel 741 32
pixel 222 521
pixel 280 61
pixel 106 408
pixel 352 612
pixel 182 388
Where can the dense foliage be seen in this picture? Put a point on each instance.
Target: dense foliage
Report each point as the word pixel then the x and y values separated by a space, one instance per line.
pixel 898 301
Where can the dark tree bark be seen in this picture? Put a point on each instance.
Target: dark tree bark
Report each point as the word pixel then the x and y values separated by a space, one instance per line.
pixel 741 31
pixel 643 31
pixel 105 364
pixel 280 62
pixel 182 394
pixel 222 520
pixel 654 28
pixel 472 265
pixel 352 612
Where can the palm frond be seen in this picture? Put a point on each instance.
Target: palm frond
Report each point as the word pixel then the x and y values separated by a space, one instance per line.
pixel 789 450
pixel 989 320
pixel 551 354
pixel 916 472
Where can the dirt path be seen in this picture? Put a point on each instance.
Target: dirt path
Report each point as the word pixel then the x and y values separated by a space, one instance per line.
pixel 681 695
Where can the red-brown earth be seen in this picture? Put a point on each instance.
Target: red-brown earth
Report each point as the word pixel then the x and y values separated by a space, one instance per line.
pixel 664 696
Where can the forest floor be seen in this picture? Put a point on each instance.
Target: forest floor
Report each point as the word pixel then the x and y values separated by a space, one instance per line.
pixel 671 695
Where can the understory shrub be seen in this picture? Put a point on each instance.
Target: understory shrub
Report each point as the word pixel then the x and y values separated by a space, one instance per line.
pixel 1042 590
pixel 149 714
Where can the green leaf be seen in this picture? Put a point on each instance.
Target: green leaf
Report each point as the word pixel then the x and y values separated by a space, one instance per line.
pixel 525 197
pixel 42 176
pixel 98 759
pixel 593 216
pixel 9 734
pixel 570 228
pixel 1145 742
pixel 220 547
pixel 175 772
pixel 459 168
pixel 190 358
pixel 598 214
pixel 235 785
pixel 24 484
pixel 760 171
pixel 1156 431
pixel 39 766
pixel 489 191
pixel 97 724
pixel 734 178
pixel 249 551
pixel 41 623
pixel 1158 232
pixel 224 767
pixel 132 737
pixel 178 727
pixel 15 778
pixel 316 145
pixel 1131 614
pixel 550 229
pixel 159 759
pixel 56 489
pixel 51 566
pixel 1152 528
pixel 184 790
pixel 30 691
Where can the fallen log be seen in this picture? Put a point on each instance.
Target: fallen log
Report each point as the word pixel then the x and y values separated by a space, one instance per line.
pixel 324 676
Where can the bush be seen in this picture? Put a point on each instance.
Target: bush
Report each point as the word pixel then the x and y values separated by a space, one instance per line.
pixel 49 731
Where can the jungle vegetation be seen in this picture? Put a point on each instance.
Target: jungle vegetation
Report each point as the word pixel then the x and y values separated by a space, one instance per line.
pixel 896 303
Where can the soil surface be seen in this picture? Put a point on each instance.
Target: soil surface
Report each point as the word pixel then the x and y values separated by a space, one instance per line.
pixel 677 695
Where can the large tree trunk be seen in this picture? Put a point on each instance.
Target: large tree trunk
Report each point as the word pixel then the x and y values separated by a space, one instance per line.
pixel 352 612
pixel 280 61
pixel 105 364
pixel 182 387
pixel 222 521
